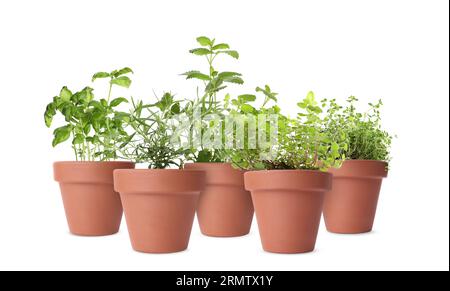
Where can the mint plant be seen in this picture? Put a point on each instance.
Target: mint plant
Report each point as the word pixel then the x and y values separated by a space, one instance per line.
pixel 95 127
pixel 207 102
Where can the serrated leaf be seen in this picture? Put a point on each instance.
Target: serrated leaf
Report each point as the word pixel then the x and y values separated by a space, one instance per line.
pixel 235 80
pixel 223 75
pixel 200 51
pixel 118 101
pixel 122 81
pixel 123 71
pixel 196 75
pixel 245 98
pixel 204 41
pixel 100 75
pixel 221 46
pixel 231 53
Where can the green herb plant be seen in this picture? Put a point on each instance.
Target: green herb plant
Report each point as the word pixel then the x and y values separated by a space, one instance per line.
pixel 207 102
pixel 95 127
pixel 366 138
pixel 151 140
pixel 302 142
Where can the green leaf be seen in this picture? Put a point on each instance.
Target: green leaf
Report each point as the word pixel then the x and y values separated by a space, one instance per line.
pixel 65 94
pixel 61 134
pixel 335 148
pixel 246 108
pixel 204 41
pixel 118 101
pixel 247 98
pixel 96 105
pixel 100 75
pixel 122 81
pixel 224 75
pixel 176 108
pixel 50 111
pixel 123 71
pixel 204 156
pixel 221 46
pixel 78 139
pixel 87 129
pixel 231 53
pixel 87 95
pixel 200 51
pixel 235 80
pixel 196 75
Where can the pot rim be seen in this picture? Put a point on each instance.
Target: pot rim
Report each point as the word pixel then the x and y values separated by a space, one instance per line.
pixel 368 169
pixel 159 170
pixel 288 180
pixel 91 162
pixel 158 181
pixel 363 161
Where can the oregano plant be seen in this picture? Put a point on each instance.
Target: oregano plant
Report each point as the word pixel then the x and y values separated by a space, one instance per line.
pixel 94 126
pixel 301 143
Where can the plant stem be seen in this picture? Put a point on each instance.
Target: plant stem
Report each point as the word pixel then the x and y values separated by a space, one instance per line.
pixel 109 92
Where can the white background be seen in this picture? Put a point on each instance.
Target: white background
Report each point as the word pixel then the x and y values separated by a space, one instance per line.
pixel 396 50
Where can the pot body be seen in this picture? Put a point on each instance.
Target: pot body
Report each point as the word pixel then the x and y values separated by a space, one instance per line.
pixel 225 208
pixel 351 205
pixel 288 206
pixel 159 207
pixel 91 205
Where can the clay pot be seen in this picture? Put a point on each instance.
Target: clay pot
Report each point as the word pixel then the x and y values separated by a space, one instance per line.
pixel 288 206
pixel 92 207
pixel 351 205
pixel 225 208
pixel 159 207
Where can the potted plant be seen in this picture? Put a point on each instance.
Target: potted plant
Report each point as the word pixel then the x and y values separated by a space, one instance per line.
pixel 225 208
pixel 288 180
pixel 159 202
pixel 97 132
pixel 351 205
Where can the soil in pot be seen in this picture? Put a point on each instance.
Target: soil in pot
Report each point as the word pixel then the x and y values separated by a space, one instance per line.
pixel 351 205
pixel 225 208
pixel 288 206
pixel 159 207
pixel 92 206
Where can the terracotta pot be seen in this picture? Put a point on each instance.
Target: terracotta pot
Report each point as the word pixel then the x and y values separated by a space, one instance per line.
pixel 351 205
pixel 92 207
pixel 159 207
pixel 225 208
pixel 288 206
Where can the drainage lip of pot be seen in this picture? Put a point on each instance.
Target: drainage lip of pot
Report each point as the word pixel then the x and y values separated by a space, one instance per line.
pixel 82 171
pixel 288 206
pixel 307 180
pixel 361 169
pixel 225 207
pixel 234 176
pixel 157 181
